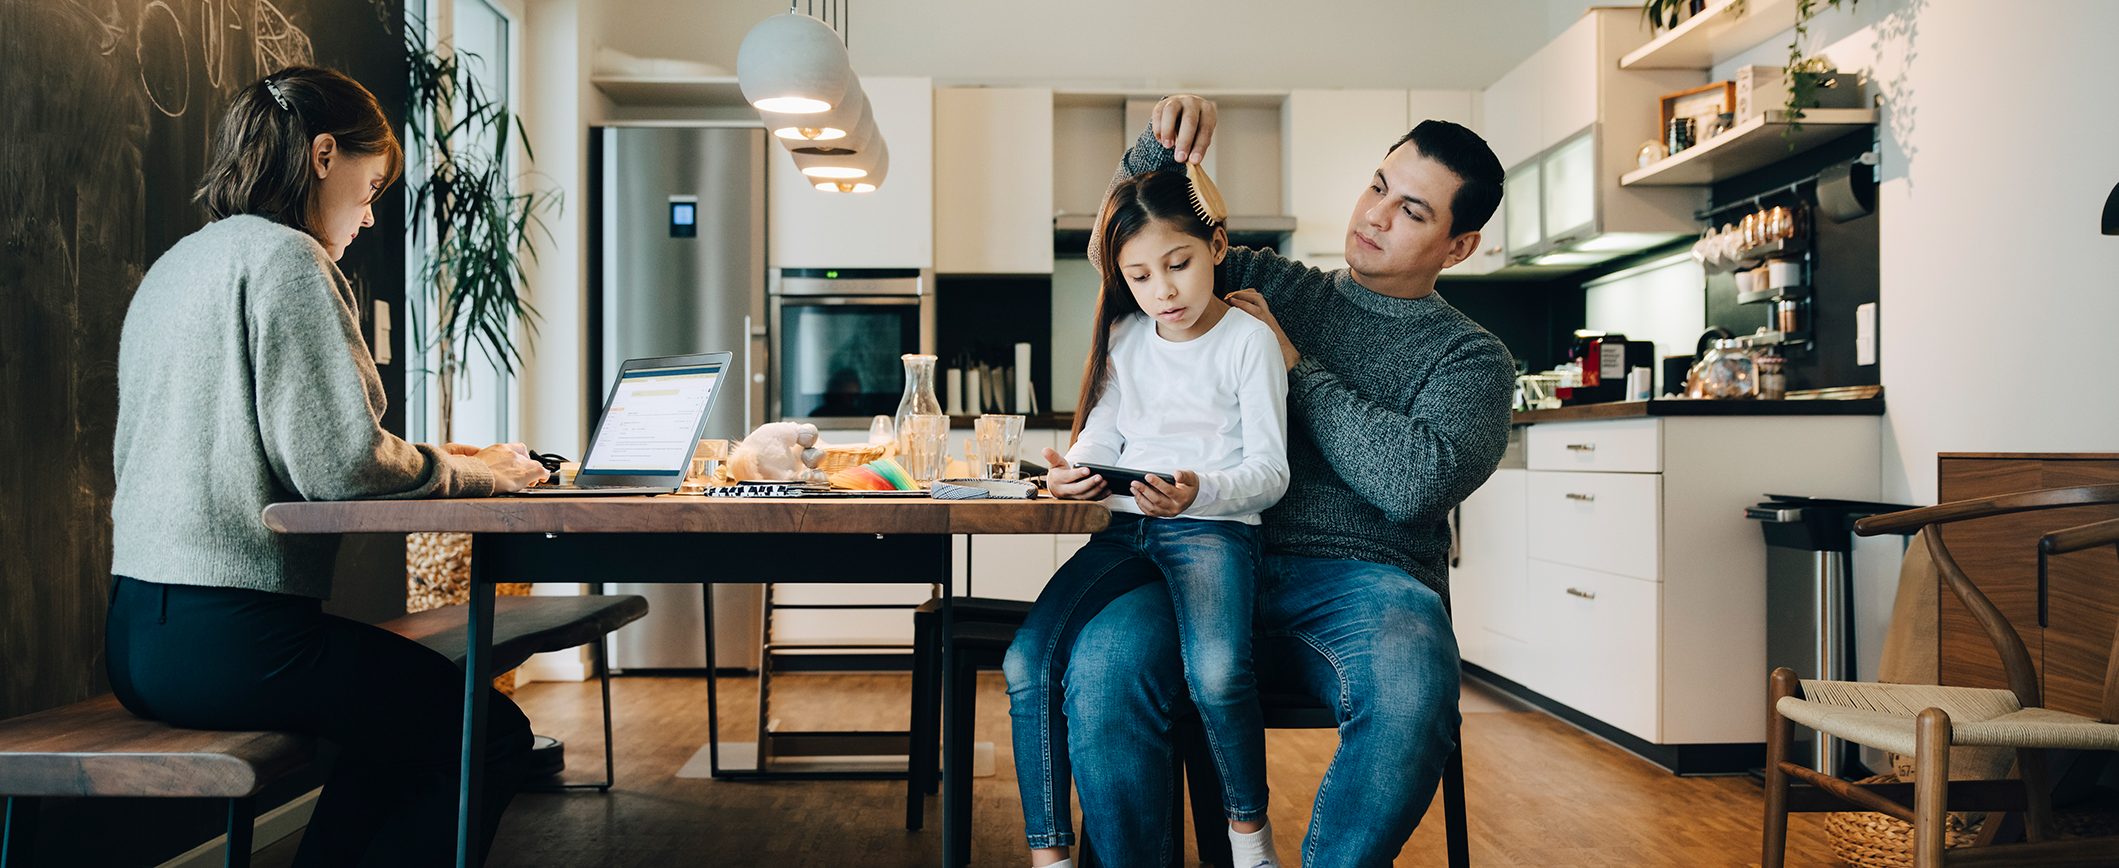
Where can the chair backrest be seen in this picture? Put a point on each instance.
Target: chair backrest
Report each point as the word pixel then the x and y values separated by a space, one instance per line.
pixel 2083 538
pixel 2015 657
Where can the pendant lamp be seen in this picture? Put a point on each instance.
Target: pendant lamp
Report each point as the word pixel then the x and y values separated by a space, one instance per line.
pixel 794 64
pixel 825 132
pixel 855 173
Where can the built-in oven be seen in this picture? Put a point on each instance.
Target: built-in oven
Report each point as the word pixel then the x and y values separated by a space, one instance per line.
pixel 838 335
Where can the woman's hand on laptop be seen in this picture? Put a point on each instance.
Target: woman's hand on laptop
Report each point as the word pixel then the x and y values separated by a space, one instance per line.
pixel 1069 482
pixel 1162 498
pixel 513 470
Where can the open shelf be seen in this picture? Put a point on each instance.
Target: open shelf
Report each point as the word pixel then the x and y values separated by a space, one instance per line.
pixel 1719 32
pixel 1765 295
pixel 1756 142
pixel 1779 249
pixel 672 90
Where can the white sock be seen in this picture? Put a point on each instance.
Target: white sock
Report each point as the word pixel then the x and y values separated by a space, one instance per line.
pixel 1253 849
pixel 1063 863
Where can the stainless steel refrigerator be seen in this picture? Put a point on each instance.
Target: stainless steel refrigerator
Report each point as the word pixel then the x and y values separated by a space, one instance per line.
pixel 678 266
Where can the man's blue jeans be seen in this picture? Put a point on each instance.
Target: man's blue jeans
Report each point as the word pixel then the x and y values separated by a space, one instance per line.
pixel 1369 641
pixel 1209 571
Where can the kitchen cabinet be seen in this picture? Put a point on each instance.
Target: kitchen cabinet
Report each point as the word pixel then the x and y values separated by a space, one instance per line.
pixel 993 194
pixel 1615 577
pixel 1486 576
pixel 892 227
pixel 1566 123
pixel 1334 140
pixel 1568 74
pixel 1509 113
pixel 1608 623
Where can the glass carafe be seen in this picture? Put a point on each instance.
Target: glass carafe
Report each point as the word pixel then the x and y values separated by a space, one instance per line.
pixel 919 392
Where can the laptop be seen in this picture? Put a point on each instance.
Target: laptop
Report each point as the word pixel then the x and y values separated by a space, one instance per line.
pixel 651 423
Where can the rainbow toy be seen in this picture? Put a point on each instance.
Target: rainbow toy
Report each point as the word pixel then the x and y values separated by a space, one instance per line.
pixel 882 474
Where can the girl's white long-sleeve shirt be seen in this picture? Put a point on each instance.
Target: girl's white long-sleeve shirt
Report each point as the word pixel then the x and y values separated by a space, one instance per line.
pixel 1215 405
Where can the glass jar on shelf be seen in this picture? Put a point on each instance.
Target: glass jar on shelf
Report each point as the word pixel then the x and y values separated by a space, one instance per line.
pixel 1772 381
pixel 1726 372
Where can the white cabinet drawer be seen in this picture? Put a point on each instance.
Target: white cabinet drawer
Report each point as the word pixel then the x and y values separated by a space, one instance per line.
pixel 1619 445
pixel 1598 650
pixel 1600 521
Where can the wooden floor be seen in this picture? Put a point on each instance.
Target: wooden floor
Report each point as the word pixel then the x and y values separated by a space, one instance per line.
pixel 1540 792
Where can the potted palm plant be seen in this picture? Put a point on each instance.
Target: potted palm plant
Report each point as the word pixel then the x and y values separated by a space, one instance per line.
pixel 474 233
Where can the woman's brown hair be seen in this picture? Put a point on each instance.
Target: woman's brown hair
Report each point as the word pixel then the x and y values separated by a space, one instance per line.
pixel 260 163
pixel 1163 195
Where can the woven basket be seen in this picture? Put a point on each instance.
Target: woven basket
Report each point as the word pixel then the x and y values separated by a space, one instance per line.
pixel 848 456
pixel 1870 839
pixel 1873 840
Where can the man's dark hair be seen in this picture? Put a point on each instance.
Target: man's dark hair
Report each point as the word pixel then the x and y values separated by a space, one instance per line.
pixel 1461 151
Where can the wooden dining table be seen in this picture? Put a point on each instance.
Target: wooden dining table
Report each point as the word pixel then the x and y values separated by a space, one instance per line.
pixel 676 539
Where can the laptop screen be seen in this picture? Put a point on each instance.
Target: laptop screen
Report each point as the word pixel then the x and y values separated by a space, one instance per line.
pixel 653 418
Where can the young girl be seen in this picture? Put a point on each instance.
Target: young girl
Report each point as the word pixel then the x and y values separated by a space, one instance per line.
pixel 1183 385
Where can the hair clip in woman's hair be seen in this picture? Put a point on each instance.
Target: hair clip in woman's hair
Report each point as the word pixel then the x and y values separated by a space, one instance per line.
pixel 273 87
pixel 1206 198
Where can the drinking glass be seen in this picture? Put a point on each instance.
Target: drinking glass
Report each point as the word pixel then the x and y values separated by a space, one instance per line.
pixel 1000 443
pixel 882 430
pixel 925 441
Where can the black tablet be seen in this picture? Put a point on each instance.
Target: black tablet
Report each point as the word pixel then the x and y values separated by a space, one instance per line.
pixel 1119 480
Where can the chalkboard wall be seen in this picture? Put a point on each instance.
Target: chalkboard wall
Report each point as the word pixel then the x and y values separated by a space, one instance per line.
pixel 106 112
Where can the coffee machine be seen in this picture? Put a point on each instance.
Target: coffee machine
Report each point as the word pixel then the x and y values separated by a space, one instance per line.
pixel 1604 358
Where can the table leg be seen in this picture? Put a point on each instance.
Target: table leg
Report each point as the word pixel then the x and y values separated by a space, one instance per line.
pixel 713 696
pixel 951 695
pixel 471 770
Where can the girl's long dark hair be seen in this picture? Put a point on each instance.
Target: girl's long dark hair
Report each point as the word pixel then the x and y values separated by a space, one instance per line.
pixel 1164 195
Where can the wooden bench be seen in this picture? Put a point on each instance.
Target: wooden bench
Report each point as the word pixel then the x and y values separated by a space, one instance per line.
pixel 95 748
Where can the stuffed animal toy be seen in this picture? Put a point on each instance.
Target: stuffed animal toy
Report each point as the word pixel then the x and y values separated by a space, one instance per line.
pixel 780 452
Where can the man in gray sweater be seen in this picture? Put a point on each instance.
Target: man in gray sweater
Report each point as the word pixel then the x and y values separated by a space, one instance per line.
pixel 1398 409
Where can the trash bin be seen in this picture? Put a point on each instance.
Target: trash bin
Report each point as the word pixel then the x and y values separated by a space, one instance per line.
pixel 1809 601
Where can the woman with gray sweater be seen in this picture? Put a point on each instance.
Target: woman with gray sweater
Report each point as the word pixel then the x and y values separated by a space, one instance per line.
pixel 243 381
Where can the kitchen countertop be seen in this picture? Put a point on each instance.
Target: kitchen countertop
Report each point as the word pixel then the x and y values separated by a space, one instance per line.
pixel 1691 407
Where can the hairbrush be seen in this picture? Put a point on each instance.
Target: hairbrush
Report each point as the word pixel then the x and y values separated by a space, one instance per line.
pixel 1206 198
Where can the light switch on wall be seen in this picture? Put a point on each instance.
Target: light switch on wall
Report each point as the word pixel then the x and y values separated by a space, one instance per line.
pixel 1865 334
pixel 380 334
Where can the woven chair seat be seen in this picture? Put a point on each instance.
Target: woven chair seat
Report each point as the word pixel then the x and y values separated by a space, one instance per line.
pixel 1882 716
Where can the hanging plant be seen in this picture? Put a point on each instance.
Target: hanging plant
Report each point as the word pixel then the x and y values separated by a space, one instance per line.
pixel 1666 14
pixel 1662 14
pixel 1806 72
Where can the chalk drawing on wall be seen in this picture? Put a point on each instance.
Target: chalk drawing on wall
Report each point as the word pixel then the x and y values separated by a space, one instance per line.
pixel 159 47
pixel 275 42
pixel 217 18
pixel 109 30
